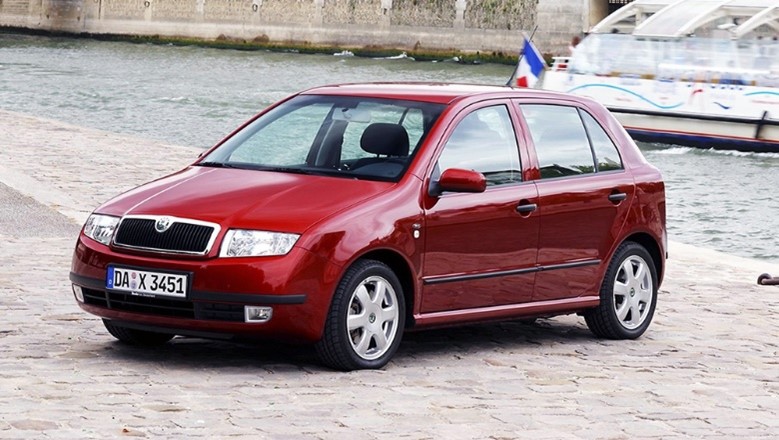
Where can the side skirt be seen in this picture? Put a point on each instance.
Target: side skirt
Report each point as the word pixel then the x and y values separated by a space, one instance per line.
pixel 511 311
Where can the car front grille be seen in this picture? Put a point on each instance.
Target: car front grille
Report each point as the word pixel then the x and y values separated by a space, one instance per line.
pixel 163 307
pixel 182 236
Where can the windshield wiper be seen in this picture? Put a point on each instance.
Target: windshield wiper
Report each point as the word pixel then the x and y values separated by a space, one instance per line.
pixel 248 166
pixel 216 165
pixel 295 170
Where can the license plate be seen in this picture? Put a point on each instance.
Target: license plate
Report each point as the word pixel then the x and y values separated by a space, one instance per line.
pixel 147 283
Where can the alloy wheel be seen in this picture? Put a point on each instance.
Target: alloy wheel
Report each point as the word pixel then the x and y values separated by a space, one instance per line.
pixel 373 317
pixel 633 292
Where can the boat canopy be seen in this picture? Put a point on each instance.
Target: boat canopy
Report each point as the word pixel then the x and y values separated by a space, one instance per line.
pixel 693 59
pixel 671 19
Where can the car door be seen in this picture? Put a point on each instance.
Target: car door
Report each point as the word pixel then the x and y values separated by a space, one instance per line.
pixel 480 248
pixel 584 195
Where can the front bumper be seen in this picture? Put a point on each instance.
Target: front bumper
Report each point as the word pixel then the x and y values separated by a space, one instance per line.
pixel 298 287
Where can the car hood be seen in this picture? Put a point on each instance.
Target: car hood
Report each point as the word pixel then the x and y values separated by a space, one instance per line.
pixel 248 199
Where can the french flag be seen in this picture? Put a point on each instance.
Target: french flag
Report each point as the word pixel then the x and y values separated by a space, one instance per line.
pixel 530 66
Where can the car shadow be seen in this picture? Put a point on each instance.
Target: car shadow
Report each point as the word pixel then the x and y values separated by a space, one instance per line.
pixel 428 345
pixel 512 336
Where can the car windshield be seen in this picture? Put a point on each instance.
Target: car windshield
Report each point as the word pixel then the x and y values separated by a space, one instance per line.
pixel 355 137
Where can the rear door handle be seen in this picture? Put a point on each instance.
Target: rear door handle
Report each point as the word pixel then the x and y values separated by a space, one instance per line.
pixel 617 197
pixel 526 208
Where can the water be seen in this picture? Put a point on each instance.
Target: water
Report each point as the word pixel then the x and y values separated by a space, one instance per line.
pixel 724 200
pixel 194 96
pixel 184 95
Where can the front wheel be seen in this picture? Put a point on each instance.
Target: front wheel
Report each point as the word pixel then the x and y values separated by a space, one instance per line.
pixel 366 319
pixel 628 295
pixel 136 337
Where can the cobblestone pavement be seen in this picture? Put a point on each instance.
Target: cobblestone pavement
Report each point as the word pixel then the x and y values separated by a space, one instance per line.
pixel 707 367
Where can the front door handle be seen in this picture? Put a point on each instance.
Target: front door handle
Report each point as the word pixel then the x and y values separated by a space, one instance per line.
pixel 526 208
pixel 617 197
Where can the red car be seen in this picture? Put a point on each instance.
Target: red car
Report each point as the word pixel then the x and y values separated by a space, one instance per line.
pixel 345 215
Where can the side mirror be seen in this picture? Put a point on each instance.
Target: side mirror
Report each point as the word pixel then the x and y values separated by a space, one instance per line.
pixel 462 181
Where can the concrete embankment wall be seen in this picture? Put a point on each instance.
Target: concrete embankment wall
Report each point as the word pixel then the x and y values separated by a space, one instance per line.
pixel 462 25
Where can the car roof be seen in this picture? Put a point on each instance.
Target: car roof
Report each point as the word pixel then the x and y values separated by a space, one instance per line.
pixel 443 93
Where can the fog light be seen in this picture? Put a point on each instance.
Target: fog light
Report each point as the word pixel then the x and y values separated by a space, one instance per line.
pixel 78 293
pixel 257 314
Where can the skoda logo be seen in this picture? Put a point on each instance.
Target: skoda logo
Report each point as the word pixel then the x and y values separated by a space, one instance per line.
pixel 162 224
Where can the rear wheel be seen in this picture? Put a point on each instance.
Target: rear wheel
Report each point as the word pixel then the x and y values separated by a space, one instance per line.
pixel 136 337
pixel 366 319
pixel 628 295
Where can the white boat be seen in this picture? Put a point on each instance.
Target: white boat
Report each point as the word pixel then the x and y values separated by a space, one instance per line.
pixel 702 73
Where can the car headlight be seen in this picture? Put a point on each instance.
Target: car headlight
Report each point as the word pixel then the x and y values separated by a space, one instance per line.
pixel 248 243
pixel 100 227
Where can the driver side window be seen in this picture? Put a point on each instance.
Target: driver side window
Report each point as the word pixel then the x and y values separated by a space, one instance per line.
pixel 484 141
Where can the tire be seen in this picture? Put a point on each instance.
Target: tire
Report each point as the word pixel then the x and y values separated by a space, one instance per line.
pixel 366 319
pixel 136 337
pixel 628 295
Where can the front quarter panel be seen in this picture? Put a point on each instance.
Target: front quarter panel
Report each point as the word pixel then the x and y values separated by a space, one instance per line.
pixel 387 221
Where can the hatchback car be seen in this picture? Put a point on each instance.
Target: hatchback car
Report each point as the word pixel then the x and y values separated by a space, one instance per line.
pixel 346 215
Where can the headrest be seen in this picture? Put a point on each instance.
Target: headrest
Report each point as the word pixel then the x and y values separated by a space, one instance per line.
pixel 387 139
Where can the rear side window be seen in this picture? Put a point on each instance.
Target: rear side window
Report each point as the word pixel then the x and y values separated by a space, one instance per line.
pixel 606 154
pixel 484 141
pixel 561 142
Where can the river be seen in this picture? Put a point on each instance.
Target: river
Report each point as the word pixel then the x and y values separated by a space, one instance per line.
pixel 193 96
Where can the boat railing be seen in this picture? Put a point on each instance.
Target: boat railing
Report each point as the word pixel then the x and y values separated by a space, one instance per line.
pixel 683 72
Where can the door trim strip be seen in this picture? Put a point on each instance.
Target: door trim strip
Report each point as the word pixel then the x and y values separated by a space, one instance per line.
pixel 440 279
